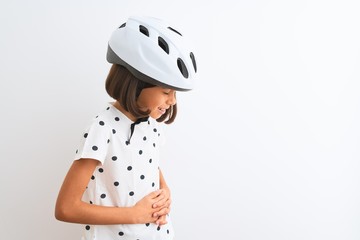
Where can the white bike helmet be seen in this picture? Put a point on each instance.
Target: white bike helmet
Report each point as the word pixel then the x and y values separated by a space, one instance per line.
pixel 154 52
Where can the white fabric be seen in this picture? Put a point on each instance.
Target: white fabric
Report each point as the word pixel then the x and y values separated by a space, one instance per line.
pixel 126 174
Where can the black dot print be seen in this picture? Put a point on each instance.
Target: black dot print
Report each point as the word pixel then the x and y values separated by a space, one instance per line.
pixel 77 151
pixel 159 135
pixel 142 178
pixel 107 108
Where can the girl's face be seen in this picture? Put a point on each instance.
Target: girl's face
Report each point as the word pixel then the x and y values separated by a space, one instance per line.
pixel 157 100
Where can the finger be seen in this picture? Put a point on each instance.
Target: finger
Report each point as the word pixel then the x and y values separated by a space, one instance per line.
pixel 162 204
pixel 166 192
pixel 161 201
pixel 169 207
pixel 168 202
pixel 162 212
pixel 155 194
pixel 161 221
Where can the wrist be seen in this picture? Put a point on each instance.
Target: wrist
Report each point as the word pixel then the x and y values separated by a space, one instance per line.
pixel 128 215
pixel 134 216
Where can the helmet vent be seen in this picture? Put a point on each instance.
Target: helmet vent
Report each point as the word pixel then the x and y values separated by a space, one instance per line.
pixel 163 44
pixel 193 61
pixel 144 30
pixel 174 30
pixel 182 68
pixel 123 25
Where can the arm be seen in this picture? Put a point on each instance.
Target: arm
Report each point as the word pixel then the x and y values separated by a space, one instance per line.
pixel 163 184
pixel 70 208
pixel 164 203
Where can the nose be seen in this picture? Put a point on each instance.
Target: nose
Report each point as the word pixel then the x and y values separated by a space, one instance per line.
pixel 171 99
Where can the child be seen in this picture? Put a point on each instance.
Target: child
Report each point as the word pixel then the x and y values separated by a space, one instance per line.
pixel 115 186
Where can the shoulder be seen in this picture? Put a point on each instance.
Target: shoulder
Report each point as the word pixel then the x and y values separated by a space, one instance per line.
pixel 105 117
pixel 101 121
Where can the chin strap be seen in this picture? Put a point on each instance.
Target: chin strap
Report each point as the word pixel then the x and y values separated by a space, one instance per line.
pixel 132 126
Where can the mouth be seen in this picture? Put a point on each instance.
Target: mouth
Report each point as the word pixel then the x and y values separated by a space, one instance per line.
pixel 162 110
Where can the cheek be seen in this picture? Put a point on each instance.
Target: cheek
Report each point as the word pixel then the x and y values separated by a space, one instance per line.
pixel 149 105
pixel 155 102
pixel 151 101
pixel 144 103
pixel 153 106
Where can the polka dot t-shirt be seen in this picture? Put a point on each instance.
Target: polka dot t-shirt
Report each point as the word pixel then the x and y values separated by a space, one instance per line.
pixel 128 170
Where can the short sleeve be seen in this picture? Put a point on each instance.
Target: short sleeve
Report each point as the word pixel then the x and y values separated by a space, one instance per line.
pixel 94 143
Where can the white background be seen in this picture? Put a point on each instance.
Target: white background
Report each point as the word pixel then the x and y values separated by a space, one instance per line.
pixel 265 147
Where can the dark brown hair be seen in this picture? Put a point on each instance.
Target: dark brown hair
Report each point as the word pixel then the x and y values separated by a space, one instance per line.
pixel 124 87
